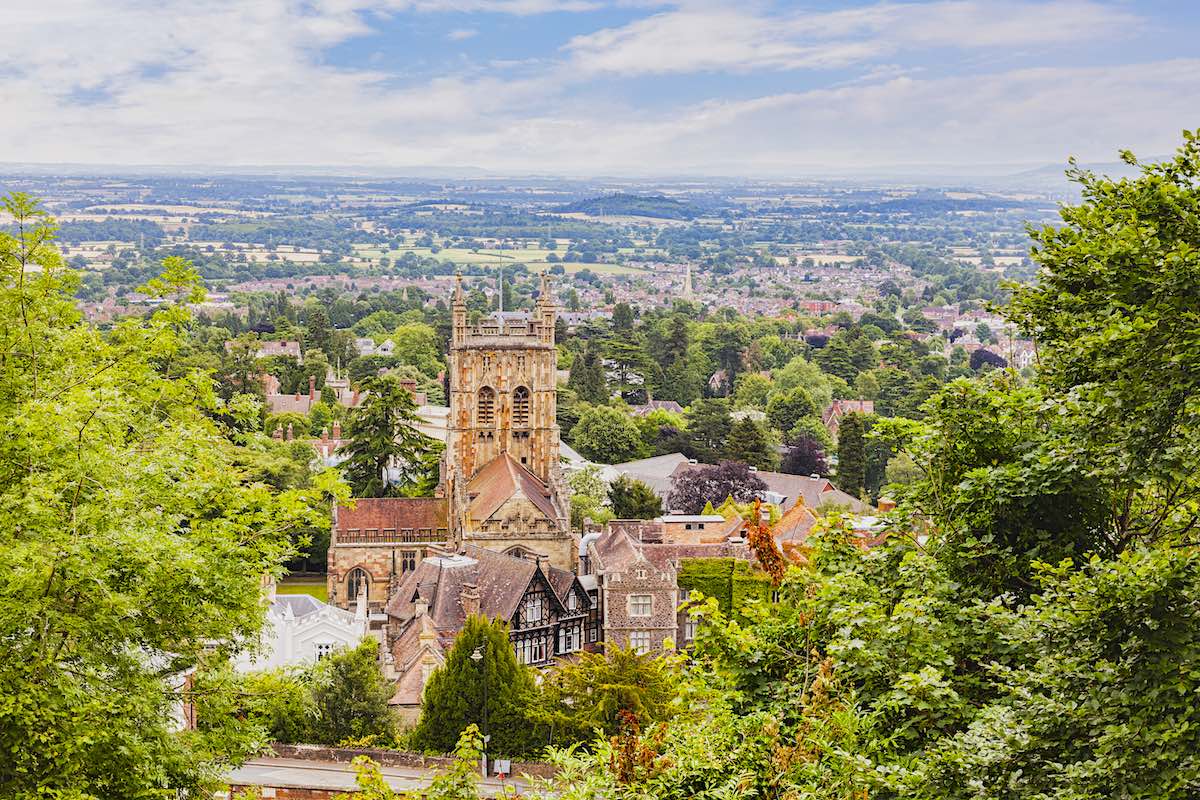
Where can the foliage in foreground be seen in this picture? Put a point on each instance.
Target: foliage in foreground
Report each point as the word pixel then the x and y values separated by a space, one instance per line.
pixel 132 537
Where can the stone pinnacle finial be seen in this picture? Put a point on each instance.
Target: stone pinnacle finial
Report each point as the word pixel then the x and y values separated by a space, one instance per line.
pixel 458 288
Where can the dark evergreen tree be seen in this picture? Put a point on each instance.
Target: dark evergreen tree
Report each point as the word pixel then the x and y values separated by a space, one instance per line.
pixel 709 424
pixel 586 377
pixel 748 444
pixel 317 333
pixel 633 499
pixel 382 433
pixel 852 454
pixel 454 694
pixel 622 319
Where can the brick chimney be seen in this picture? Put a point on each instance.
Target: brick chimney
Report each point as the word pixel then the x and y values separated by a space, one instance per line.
pixel 468 597
pixel 312 387
pixel 337 429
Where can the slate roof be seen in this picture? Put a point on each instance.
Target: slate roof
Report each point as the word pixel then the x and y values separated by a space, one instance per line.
pixel 797 488
pixel 500 579
pixel 500 480
pixel 301 605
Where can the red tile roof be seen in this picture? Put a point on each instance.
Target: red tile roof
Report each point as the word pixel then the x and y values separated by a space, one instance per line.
pixel 394 513
pixel 500 480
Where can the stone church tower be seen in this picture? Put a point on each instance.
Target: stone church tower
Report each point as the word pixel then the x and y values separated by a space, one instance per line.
pixel 502 472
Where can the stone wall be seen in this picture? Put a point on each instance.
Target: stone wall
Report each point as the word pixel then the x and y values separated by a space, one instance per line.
pixel 395 758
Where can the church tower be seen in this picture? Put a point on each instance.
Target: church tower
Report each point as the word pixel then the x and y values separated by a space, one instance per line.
pixel 502 449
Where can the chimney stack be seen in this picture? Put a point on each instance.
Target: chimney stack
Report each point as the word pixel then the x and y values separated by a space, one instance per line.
pixel 469 598
pixel 312 387
pixel 337 429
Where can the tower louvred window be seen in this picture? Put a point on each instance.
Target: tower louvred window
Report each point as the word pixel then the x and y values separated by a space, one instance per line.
pixel 486 410
pixel 521 407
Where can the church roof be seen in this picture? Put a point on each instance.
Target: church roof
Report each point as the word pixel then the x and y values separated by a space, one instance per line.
pixel 393 513
pixel 500 480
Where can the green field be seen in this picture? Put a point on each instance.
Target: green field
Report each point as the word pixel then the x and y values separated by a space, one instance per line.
pixel 533 257
pixel 316 588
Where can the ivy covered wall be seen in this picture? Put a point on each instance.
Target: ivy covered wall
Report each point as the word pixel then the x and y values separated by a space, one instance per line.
pixel 731 581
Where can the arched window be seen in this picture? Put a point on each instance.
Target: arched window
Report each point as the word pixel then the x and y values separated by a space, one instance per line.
pixel 357 581
pixel 485 410
pixel 520 415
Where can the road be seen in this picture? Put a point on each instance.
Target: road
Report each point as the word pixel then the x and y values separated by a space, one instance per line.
pixel 302 773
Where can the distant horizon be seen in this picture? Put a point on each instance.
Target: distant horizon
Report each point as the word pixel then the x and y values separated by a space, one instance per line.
pixel 933 172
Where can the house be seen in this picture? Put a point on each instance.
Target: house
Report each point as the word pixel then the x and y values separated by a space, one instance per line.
pixel 549 612
pixel 634 567
pixel 831 416
pixel 300 629
pixel 282 347
pixel 638 589
pixel 655 405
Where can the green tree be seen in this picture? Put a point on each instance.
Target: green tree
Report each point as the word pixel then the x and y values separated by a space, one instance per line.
pixel 748 443
pixel 381 434
pixel 852 454
pixel 709 425
pixel 801 372
pixel 417 344
pixel 350 696
pixel 131 545
pixel 592 692
pixel 1115 314
pixel 317 333
pixel 589 492
pixel 622 319
pixel 586 377
pixel 454 694
pixel 751 391
pixel 607 436
pixel 786 408
pixel 633 499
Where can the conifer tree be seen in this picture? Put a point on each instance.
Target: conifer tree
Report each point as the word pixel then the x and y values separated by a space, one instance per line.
pixel 748 443
pixel 454 694
pixel 852 454
pixel 382 433
pixel 586 378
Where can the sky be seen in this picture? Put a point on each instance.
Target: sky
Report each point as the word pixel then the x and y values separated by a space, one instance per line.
pixel 597 87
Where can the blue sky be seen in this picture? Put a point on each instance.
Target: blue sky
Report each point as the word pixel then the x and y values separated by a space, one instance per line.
pixel 597 87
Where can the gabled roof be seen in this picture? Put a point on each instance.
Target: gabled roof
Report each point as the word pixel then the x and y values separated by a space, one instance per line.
pixel 499 481
pixel 500 579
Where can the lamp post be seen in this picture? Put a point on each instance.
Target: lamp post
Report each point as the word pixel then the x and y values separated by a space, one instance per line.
pixel 477 657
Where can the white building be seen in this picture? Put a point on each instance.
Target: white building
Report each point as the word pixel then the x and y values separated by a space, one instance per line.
pixel 300 629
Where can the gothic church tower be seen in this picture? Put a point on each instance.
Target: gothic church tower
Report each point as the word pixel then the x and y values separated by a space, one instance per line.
pixel 502 469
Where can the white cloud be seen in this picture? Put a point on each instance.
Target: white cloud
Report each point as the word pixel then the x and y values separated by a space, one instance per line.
pixel 245 84
pixel 707 37
pixel 461 34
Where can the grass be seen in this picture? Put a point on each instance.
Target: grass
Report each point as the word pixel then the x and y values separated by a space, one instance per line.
pixel 314 587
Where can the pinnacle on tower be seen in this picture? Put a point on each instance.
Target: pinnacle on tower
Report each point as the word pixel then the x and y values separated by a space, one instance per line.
pixel 459 297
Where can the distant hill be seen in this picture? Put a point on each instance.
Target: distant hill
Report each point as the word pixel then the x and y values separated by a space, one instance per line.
pixel 633 205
